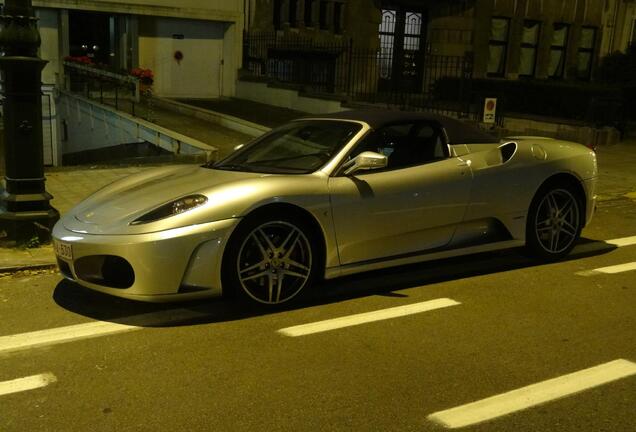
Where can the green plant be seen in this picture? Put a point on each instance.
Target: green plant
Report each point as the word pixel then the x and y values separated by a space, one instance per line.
pixel 31 243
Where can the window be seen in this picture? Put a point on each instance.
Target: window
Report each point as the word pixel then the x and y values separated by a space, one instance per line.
pixel 278 5
pixel 309 4
pixel 324 25
pixel 412 43
pixel 498 46
pixel 529 45
pixel 406 144
pixel 387 37
pixel 337 17
pixel 556 66
pixel 293 11
pixel 585 54
pixel 401 34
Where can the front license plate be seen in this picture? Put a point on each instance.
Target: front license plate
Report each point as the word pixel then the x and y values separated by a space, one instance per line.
pixel 63 250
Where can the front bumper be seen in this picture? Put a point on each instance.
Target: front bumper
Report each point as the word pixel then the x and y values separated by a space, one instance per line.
pixel 590 192
pixel 176 264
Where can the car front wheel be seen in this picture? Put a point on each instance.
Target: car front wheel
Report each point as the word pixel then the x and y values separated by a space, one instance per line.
pixel 270 261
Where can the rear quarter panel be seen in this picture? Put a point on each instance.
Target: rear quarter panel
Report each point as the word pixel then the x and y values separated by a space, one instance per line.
pixel 505 190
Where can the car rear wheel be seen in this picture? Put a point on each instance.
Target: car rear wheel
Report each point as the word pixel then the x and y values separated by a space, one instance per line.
pixel 271 260
pixel 554 223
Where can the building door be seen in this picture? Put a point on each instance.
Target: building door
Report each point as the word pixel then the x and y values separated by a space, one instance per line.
pixel 402 41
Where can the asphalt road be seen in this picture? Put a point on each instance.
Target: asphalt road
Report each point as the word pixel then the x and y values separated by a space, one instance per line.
pixel 215 367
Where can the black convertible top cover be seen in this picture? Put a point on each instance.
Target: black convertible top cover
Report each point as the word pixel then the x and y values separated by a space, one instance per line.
pixel 458 132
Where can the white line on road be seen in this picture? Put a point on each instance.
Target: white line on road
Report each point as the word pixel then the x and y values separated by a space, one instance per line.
pixel 27 383
pixel 603 244
pixel 23 341
pixel 625 241
pixel 609 270
pixel 367 317
pixel 535 394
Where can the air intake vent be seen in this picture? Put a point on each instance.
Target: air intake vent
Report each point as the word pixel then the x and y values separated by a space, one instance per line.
pixel 507 151
pixel 106 270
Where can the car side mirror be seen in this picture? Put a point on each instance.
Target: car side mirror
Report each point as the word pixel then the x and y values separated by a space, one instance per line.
pixel 365 161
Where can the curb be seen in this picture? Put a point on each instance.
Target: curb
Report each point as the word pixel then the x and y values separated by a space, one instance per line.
pixel 19 268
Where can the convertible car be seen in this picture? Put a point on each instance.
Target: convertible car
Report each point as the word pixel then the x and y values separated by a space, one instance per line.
pixel 322 197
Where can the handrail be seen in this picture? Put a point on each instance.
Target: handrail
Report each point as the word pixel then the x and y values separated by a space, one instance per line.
pixel 120 77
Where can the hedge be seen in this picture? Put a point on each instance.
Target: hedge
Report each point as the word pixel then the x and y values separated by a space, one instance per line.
pixel 598 104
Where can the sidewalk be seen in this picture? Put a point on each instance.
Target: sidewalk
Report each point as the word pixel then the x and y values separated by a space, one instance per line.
pixel 68 188
pixel 69 185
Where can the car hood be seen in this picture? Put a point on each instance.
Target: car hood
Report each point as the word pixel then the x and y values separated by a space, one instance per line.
pixel 114 207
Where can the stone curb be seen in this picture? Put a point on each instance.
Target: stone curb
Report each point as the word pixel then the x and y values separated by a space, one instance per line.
pixel 19 268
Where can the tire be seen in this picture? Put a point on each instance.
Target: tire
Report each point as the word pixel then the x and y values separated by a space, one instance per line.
pixel 271 260
pixel 554 224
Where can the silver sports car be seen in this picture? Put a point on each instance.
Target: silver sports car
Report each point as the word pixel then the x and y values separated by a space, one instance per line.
pixel 323 197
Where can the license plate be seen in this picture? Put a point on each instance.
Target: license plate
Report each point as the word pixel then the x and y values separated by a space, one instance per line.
pixel 63 250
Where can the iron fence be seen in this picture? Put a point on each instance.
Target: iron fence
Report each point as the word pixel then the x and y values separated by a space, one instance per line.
pixel 341 70
pixel 121 91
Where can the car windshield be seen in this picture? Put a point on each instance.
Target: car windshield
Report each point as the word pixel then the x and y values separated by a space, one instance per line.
pixel 300 147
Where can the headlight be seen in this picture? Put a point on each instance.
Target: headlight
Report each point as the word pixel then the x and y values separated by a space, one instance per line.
pixel 173 208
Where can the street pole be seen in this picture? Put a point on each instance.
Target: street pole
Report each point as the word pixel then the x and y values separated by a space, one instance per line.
pixel 25 209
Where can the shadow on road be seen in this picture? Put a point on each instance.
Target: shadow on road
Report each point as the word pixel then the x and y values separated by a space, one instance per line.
pixel 95 305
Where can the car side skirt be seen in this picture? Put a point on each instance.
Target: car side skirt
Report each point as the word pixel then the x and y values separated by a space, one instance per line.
pixel 349 269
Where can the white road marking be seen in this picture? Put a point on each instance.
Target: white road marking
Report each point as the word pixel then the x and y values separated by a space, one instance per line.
pixel 367 317
pixel 605 244
pixel 40 338
pixel 27 383
pixel 535 394
pixel 609 270
pixel 625 241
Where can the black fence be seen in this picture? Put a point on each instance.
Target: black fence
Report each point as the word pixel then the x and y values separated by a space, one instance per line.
pixel 337 68
pixel 121 91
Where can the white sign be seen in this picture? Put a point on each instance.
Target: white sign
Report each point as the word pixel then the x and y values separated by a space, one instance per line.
pixel 490 107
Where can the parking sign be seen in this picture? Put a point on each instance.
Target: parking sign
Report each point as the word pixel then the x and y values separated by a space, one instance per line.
pixel 490 107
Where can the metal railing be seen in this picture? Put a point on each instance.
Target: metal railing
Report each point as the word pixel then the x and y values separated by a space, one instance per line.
pixel 338 68
pixel 122 91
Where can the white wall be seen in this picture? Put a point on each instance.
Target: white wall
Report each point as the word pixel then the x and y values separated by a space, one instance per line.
pixel 91 126
pixel 48 25
pixel 50 135
pixel 261 92
pixel 198 74
pixel 49 50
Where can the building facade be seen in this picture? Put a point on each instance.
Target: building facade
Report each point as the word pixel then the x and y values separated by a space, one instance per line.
pixel 511 39
pixel 619 22
pixel 193 48
pixel 537 38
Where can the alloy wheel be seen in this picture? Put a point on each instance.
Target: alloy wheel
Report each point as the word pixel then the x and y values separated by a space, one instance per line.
pixel 274 262
pixel 557 221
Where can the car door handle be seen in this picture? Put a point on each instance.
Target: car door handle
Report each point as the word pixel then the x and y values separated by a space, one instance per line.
pixel 464 163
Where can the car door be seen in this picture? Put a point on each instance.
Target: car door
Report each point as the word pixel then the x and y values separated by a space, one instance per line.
pixel 413 205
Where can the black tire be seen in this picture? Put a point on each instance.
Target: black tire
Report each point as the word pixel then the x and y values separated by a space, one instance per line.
pixel 271 260
pixel 555 221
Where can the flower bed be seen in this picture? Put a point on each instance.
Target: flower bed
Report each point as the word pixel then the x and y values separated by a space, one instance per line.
pixel 85 63
pixel 145 75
